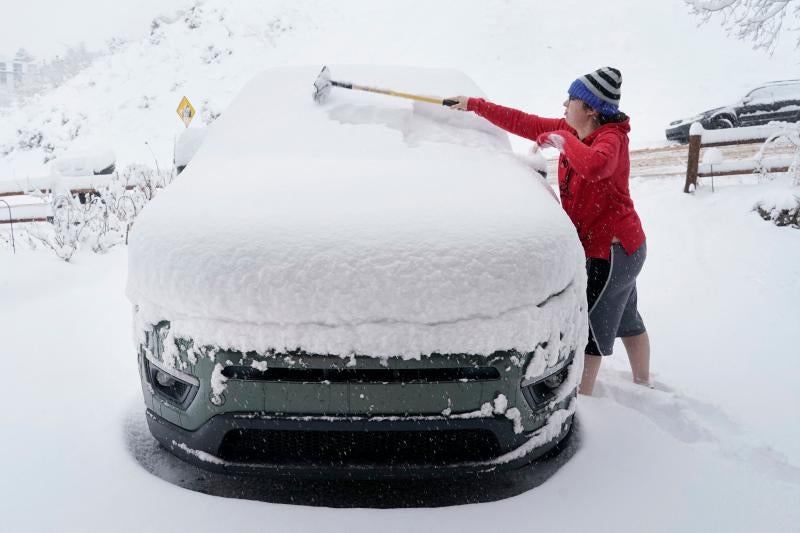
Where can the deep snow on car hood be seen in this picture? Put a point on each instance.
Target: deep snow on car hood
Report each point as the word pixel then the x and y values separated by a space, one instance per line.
pixel 366 224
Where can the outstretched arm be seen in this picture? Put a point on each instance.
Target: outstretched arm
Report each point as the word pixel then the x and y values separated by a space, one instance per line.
pixel 510 119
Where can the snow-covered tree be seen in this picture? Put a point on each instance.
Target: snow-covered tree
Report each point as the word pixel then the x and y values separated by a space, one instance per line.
pixel 758 21
pixel 24 56
pixel 48 74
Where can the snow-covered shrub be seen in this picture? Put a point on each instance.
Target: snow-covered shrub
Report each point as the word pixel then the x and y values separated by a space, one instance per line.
pixel 101 220
pixel 793 137
pixel 30 139
pixel 156 32
pixel 212 54
pixel 68 228
pixel 115 44
pixel 275 28
pixel 782 206
pixel 145 101
pixel 193 17
pixel 782 211
pixel 51 135
pixel 209 112
pixel 145 181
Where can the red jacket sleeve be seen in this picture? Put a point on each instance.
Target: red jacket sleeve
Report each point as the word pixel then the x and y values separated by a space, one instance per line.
pixel 595 162
pixel 515 121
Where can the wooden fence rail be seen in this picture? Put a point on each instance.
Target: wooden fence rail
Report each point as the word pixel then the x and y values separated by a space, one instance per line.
pixel 82 186
pixel 14 213
pixel 701 138
pixel 75 184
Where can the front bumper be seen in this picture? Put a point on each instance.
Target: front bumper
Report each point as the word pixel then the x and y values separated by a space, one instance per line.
pixel 201 447
pixel 325 416
pixel 679 133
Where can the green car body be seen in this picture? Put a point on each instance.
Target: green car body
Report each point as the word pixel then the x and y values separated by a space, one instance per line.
pixel 322 415
pixel 361 288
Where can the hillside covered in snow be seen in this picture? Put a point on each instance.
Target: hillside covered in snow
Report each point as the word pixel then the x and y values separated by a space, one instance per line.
pixel 522 54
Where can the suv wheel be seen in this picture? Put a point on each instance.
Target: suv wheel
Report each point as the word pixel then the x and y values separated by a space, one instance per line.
pixel 722 123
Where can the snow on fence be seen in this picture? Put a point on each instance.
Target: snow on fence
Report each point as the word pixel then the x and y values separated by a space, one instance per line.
pixel 101 217
pixel 26 211
pixel 702 138
pixel 29 209
pixel 75 184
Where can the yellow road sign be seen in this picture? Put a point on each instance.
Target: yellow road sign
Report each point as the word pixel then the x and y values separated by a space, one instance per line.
pixel 185 111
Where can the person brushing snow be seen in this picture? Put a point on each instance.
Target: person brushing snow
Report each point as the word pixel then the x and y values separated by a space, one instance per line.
pixel 593 173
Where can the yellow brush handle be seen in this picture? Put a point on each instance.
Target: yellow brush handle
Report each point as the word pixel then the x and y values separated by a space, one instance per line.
pixel 410 96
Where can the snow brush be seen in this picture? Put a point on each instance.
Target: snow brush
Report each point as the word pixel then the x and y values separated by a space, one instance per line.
pixel 323 84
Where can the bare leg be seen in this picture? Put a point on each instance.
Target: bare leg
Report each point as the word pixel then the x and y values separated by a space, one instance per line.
pixel 638 348
pixel 591 364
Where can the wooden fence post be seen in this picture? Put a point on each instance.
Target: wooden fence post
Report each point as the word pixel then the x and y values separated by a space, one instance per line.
pixel 694 161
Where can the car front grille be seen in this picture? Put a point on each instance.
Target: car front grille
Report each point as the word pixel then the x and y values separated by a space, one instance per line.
pixel 355 375
pixel 358 447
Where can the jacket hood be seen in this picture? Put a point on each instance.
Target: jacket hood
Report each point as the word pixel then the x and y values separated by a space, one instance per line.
pixel 622 128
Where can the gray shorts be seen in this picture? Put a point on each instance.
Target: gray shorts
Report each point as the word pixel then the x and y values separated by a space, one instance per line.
pixel 611 293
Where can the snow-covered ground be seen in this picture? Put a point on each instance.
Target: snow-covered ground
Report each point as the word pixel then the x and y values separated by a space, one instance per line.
pixel 713 447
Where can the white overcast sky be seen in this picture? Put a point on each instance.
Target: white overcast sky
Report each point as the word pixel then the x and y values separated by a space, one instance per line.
pixel 674 68
pixel 45 27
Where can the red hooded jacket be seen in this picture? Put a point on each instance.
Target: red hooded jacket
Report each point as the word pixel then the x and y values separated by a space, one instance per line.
pixel 592 176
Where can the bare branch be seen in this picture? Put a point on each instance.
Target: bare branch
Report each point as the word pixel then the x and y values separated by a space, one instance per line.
pixel 758 21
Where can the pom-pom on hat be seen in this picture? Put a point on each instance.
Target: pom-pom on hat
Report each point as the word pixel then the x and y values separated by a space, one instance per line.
pixel 600 89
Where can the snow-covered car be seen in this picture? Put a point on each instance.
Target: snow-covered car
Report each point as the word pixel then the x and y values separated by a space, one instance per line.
pixel 186 146
pixel 777 101
pixel 85 162
pixel 81 162
pixel 363 287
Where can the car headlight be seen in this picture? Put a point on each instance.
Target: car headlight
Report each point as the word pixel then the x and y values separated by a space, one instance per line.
pixel 171 384
pixel 168 383
pixel 540 391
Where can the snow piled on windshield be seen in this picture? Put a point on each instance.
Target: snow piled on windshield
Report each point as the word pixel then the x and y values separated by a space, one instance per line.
pixel 366 225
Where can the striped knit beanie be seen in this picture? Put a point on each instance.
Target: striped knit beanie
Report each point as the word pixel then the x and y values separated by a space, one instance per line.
pixel 600 89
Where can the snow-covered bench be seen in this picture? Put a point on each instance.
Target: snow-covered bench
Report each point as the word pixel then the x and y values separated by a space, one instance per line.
pixel 715 166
